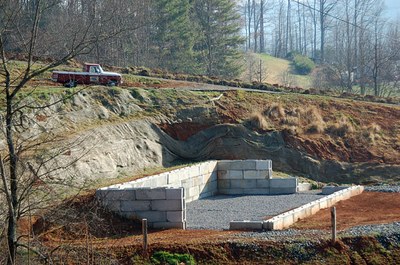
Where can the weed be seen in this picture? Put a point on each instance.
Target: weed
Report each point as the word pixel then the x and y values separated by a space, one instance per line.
pixel 275 111
pixel 167 258
pixel 257 122
pixel 340 128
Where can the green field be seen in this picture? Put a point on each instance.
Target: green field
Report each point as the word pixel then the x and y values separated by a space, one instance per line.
pixel 273 70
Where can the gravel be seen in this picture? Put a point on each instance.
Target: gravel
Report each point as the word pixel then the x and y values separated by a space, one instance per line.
pixel 216 212
pixel 383 188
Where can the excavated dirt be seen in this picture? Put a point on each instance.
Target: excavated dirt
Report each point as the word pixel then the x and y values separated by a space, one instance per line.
pixel 74 220
pixel 366 208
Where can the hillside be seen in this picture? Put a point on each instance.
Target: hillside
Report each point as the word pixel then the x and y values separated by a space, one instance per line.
pixel 274 71
pixel 151 124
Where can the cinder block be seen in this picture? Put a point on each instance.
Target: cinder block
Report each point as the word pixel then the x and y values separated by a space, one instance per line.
pixel 152 216
pixel 287 220
pixel 198 180
pixel 175 216
pixel 224 165
pixel 114 206
pixel 174 193
pixel 193 191
pixel 210 186
pixel 246 225
pixel 224 184
pixel 263 183
pixel 173 178
pixel 230 191
pixel 250 174
pixel 167 205
pixel 214 176
pixel 244 183
pixel 303 187
pixel 222 174
pixel 114 194
pixel 263 164
pixel 323 204
pixel 168 225
pixel 132 206
pixel 187 183
pixel 283 183
pixel 236 164
pixel 194 171
pixel 151 194
pixel 235 174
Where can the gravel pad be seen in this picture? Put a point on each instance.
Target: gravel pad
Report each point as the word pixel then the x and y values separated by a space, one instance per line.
pixel 216 212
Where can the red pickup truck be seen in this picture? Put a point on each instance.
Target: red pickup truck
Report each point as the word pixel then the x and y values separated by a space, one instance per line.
pixel 91 74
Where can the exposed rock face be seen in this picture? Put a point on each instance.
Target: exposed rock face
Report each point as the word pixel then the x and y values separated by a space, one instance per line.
pixel 100 132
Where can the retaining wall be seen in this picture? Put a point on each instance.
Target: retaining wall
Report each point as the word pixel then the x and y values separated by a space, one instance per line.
pixel 252 177
pixel 162 198
pixel 286 219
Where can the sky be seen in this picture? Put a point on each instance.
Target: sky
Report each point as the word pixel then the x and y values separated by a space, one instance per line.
pixel 393 8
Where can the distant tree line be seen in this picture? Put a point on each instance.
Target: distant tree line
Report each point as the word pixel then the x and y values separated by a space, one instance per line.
pixel 355 44
pixel 193 36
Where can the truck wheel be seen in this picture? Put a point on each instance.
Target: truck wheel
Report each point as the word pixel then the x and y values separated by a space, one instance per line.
pixel 71 83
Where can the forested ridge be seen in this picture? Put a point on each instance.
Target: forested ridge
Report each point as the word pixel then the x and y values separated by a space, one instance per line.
pixel 353 45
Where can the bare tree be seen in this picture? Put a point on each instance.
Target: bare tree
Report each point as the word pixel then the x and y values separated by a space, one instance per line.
pixel 27 166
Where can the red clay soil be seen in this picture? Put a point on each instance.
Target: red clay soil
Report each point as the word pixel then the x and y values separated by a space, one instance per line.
pixel 366 208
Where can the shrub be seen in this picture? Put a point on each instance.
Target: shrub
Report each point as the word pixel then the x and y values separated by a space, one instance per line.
pixel 166 258
pixel 340 128
pixel 275 111
pixel 302 64
pixel 257 122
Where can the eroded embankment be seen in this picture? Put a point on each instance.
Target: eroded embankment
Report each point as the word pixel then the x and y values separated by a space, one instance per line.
pixel 229 141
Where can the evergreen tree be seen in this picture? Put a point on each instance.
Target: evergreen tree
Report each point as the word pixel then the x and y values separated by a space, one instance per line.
pixel 219 40
pixel 174 37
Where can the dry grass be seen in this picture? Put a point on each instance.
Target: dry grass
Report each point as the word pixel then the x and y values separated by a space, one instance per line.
pixel 341 128
pixel 275 111
pixel 257 122
pixel 371 133
pixel 314 121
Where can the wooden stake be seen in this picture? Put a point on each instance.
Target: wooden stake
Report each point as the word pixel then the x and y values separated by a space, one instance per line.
pixel 333 220
pixel 144 231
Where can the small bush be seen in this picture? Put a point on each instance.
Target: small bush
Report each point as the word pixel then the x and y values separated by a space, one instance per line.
pixel 371 133
pixel 166 258
pixel 257 122
pixel 302 64
pixel 314 120
pixel 340 128
pixel 275 111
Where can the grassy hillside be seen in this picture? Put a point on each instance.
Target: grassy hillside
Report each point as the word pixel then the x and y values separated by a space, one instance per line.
pixel 274 71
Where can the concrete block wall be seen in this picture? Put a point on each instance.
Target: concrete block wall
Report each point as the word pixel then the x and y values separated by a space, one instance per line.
pixel 163 207
pixel 162 198
pixel 286 219
pixel 251 177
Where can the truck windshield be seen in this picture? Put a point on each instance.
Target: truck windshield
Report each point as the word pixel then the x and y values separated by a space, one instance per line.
pixel 95 69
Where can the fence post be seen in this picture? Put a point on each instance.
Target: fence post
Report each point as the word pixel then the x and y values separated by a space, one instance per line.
pixel 333 221
pixel 144 232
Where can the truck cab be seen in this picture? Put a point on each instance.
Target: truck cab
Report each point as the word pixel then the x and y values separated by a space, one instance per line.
pixel 91 74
